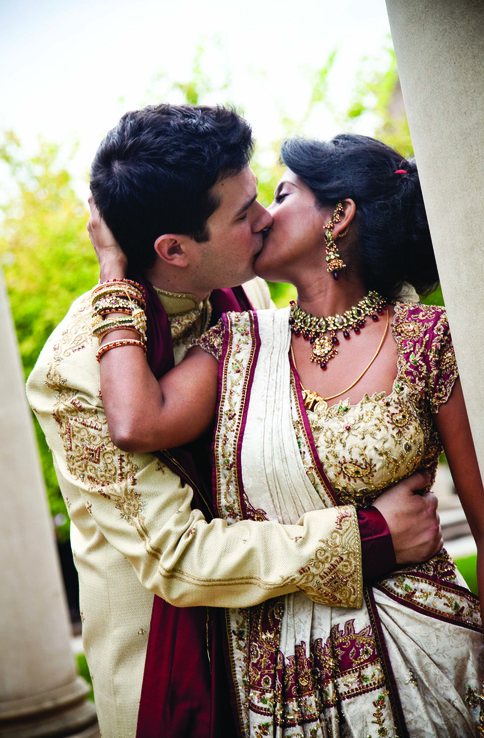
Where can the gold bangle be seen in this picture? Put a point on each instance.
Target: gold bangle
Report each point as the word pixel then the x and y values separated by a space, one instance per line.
pixel 119 288
pixel 116 282
pixel 117 344
pixel 129 327
pixel 135 320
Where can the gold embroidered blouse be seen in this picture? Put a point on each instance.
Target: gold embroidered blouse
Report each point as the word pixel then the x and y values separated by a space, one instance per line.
pixel 366 447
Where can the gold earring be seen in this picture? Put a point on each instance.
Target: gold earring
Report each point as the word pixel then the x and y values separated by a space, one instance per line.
pixel 333 259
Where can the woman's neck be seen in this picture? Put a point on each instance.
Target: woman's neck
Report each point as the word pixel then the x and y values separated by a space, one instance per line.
pixel 330 297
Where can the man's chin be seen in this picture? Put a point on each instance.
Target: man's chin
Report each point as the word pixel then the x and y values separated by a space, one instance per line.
pixel 258 265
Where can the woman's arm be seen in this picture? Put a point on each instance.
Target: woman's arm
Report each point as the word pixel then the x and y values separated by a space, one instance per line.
pixel 146 415
pixel 143 414
pixel 454 430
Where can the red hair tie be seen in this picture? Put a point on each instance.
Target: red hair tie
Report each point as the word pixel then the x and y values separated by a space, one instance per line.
pixel 400 171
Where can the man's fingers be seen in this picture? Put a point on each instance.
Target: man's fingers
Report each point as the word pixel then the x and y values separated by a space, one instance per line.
pixel 418 481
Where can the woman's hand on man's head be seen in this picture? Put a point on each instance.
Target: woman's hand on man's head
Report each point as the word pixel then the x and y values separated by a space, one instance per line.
pixel 112 260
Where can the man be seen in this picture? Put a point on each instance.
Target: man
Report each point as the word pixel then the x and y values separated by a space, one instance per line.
pixel 174 186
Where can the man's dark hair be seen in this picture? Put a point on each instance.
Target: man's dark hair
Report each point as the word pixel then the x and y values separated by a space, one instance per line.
pixel 153 172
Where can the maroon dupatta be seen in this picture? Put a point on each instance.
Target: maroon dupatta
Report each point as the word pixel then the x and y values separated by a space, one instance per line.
pixel 185 690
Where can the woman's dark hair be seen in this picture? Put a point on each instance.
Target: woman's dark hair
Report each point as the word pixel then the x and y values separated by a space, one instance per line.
pixel 153 172
pixel 393 232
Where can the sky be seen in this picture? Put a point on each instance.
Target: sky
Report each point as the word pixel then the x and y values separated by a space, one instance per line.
pixel 71 68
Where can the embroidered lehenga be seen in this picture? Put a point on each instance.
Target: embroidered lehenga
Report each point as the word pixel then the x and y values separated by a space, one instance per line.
pixel 409 661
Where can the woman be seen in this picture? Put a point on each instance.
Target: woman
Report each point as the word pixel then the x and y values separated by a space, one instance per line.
pixel 329 402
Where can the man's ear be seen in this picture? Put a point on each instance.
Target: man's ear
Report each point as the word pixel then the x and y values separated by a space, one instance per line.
pixel 170 247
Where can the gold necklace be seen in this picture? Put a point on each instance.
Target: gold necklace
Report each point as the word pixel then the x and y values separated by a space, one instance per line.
pixel 313 328
pixel 312 398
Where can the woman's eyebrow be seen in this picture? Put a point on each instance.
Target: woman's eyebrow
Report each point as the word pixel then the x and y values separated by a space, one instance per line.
pixel 281 185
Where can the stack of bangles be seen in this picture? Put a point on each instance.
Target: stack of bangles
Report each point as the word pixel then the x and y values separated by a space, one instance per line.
pixel 119 304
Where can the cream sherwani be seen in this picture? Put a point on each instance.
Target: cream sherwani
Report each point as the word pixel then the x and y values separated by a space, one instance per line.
pixel 133 531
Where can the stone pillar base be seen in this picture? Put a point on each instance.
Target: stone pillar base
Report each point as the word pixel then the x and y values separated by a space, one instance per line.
pixel 55 714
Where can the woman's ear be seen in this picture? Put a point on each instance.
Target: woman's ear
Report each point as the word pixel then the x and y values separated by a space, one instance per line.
pixel 170 247
pixel 344 223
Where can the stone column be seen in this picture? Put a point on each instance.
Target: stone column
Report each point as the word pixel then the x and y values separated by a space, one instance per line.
pixel 439 46
pixel 40 692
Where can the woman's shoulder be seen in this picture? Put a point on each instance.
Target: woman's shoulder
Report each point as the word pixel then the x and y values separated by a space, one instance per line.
pixel 426 353
pixel 417 321
pixel 420 311
pixel 422 332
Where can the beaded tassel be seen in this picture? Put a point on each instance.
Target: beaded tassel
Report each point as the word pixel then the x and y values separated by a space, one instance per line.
pixel 334 261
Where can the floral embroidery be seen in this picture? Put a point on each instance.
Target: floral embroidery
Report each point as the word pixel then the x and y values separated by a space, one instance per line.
pixel 330 576
pixel 212 340
pixel 240 357
pixel 430 588
pixel 90 455
pixel 305 689
pixel 379 714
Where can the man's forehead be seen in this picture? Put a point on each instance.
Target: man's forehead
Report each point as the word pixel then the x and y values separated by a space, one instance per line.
pixel 238 185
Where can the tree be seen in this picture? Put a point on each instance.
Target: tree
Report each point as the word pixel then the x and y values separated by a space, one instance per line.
pixel 47 261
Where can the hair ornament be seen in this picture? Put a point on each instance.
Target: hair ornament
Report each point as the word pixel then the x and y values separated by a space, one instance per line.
pixel 400 171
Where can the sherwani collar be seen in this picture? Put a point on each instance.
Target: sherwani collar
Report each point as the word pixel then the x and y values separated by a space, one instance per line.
pixel 186 313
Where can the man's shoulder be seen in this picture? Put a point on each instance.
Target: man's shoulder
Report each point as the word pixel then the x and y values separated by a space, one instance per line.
pixel 70 348
pixel 79 313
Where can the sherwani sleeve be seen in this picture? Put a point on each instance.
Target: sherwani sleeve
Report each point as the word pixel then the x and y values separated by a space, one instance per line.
pixel 144 510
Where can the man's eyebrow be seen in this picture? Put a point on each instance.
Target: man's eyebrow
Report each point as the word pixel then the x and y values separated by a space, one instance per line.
pixel 246 206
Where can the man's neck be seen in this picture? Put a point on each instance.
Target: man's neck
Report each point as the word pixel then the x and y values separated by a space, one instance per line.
pixel 174 283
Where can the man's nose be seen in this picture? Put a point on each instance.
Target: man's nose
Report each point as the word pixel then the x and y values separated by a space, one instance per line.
pixel 264 219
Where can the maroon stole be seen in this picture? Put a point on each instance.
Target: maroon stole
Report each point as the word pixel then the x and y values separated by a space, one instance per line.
pixel 185 688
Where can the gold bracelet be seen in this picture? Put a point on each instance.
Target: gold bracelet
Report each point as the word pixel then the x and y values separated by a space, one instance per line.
pixel 99 324
pixel 114 304
pixel 116 344
pixel 128 327
pixel 119 289
pixel 115 283
pixel 136 320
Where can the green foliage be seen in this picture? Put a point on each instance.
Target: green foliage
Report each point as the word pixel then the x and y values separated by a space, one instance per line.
pixel 435 298
pixel 47 261
pixel 203 87
pixel 83 671
pixel 378 94
pixel 467 567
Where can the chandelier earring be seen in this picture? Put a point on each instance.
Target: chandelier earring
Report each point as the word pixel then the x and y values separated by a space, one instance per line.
pixel 333 260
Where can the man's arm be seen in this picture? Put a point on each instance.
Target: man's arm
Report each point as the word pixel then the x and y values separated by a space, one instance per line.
pixel 144 510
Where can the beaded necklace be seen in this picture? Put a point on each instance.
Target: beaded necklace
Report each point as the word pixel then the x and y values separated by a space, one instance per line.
pixel 313 329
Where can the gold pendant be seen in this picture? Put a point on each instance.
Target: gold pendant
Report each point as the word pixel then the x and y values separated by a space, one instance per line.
pixel 323 349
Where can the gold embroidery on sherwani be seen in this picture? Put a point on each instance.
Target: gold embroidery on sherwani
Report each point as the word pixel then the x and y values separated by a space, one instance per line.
pixel 188 316
pixel 331 573
pixel 91 457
